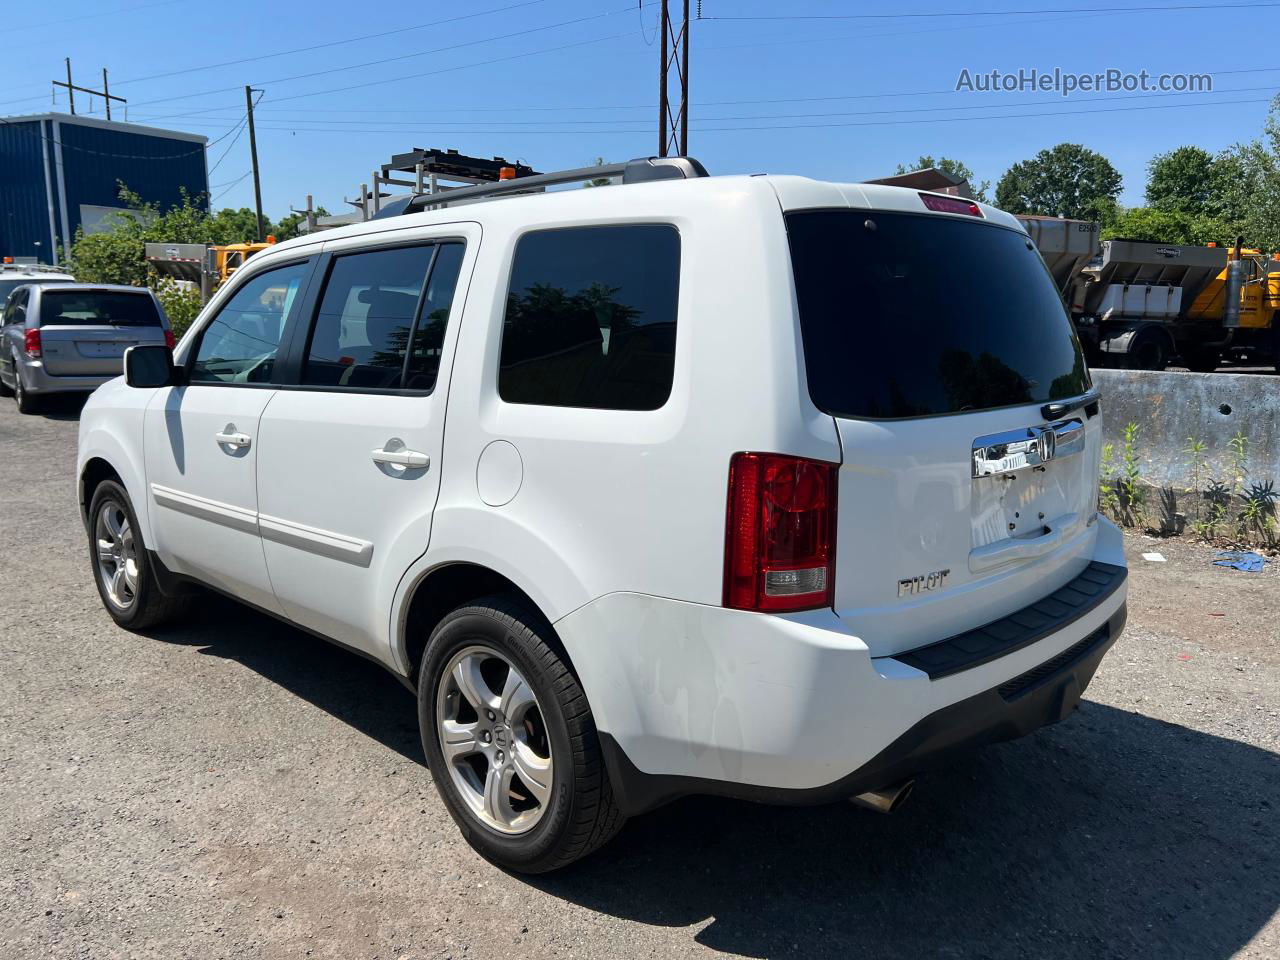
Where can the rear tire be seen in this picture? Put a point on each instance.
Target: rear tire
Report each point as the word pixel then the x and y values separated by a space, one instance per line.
pixel 1149 350
pixel 1201 360
pixel 532 720
pixel 25 401
pixel 121 565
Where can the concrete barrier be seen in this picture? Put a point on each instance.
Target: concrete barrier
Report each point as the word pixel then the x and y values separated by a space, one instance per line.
pixel 1171 407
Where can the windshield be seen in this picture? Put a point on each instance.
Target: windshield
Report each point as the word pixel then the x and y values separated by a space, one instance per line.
pixel 906 315
pixel 92 307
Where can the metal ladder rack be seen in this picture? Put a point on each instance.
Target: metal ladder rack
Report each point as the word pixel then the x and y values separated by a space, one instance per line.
pixel 641 170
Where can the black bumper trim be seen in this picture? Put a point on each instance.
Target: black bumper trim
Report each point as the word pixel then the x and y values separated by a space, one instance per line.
pixel 1021 628
pixel 1042 696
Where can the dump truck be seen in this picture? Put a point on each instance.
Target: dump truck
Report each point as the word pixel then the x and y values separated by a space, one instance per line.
pixel 230 257
pixel 203 265
pixel 1139 304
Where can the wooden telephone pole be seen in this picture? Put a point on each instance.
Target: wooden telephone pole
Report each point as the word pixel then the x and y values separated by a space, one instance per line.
pixel 673 121
pixel 105 93
pixel 253 155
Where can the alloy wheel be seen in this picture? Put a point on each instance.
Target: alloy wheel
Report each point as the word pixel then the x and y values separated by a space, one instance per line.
pixel 117 554
pixel 494 740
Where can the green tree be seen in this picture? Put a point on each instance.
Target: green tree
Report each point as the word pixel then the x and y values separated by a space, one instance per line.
pixel 953 167
pixel 286 228
pixel 119 256
pixel 598 181
pixel 1068 180
pixel 1166 226
pixel 1181 181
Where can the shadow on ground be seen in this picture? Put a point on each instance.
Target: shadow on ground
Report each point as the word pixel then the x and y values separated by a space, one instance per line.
pixel 1112 834
pixel 61 406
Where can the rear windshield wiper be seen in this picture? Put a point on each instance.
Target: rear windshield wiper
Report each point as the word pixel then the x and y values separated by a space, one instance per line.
pixel 1060 408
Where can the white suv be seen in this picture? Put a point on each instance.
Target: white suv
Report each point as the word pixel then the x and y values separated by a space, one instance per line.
pixel 752 486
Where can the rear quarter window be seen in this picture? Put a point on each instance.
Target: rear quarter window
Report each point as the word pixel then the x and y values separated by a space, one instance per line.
pixel 591 318
pixel 906 315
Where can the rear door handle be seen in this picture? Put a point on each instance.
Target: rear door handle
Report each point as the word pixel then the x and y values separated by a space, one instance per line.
pixel 233 439
pixel 402 458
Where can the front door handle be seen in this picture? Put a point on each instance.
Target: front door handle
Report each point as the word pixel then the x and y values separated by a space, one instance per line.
pixel 402 458
pixel 233 439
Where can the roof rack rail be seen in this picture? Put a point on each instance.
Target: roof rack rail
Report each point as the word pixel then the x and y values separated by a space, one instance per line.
pixel 641 170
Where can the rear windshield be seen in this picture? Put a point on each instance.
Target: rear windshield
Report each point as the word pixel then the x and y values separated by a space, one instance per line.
pixel 64 307
pixel 904 315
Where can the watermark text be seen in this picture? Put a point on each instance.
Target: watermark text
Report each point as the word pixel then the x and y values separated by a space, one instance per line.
pixel 1066 83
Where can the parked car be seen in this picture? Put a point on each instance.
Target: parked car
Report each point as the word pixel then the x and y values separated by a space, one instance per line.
pixel 14 275
pixel 637 488
pixel 71 337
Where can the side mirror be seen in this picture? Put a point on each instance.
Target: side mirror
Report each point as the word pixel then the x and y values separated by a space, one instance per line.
pixel 149 365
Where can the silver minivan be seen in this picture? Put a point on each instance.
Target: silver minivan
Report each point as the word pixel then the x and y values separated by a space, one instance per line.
pixel 71 337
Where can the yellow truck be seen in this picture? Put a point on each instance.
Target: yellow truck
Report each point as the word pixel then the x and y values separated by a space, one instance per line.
pixel 1140 305
pixel 230 257
pixel 205 266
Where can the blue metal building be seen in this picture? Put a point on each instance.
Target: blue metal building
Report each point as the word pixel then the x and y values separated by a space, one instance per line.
pixel 59 173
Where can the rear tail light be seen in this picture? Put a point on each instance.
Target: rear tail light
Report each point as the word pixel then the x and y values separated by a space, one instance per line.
pixel 170 340
pixel 31 344
pixel 779 552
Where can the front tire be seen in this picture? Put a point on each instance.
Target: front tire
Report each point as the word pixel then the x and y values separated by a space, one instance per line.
pixel 121 565
pixel 511 741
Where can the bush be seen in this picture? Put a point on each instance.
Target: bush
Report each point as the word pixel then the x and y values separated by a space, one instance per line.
pixel 181 303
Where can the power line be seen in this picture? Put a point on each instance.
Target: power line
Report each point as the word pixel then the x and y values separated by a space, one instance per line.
pixel 307 49
pixel 355 123
pixel 243 123
pixel 229 183
pixel 526 108
pixel 406 56
pixel 21 126
pixel 336 43
pixel 1167 8
pixel 642 130
pixel 461 66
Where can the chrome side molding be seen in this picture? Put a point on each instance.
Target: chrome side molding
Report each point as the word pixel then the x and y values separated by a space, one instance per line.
pixel 1003 453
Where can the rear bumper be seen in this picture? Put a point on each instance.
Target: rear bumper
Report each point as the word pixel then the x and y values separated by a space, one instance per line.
pixel 37 379
pixel 691 698
pixel 1042 696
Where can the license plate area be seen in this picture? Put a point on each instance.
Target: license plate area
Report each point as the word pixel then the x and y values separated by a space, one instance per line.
pixel 1025 481
pixel 100 350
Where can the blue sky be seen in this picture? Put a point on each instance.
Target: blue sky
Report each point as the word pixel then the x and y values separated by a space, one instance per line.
pixel 835 98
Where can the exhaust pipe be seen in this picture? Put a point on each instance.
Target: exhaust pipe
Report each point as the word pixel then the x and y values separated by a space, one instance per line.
pixel 886 799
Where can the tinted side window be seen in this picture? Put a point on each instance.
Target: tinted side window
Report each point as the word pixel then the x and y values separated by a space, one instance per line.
pixel 428 338
pixel 16 311
pixel 366 317
pixel 240 344
pixel 591 318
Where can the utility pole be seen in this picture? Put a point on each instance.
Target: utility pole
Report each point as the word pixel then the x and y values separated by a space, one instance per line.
pixel 106 95
pixel 253 154
pixel 673 124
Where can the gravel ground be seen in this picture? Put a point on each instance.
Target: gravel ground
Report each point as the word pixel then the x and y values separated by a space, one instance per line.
pixel 234 788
